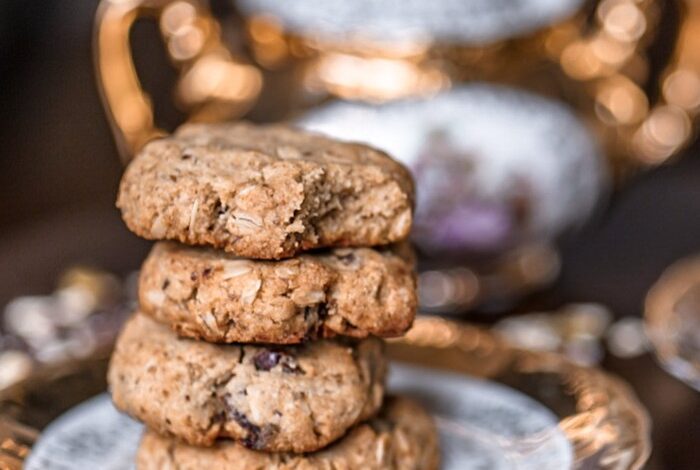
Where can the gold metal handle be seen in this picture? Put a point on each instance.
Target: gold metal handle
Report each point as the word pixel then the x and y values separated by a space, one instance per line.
pixel 610 62
pixel 213 85
pixel 669 126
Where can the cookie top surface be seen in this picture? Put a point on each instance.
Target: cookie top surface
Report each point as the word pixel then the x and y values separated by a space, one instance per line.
pixel 403 436
pixel 280 399
pixel 205 294
pixel 265 192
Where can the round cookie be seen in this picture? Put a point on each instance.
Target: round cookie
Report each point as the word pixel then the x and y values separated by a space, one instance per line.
pixel 266 192
pixel 273 398
pixel 402 437
pixel 209 295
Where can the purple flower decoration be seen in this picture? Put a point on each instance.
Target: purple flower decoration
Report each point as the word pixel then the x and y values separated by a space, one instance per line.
pixel 451 215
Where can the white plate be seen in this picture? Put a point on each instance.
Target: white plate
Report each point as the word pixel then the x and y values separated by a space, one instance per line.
pixel 483 425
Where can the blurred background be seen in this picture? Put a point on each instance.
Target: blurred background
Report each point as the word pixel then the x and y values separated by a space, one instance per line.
pixel 602 101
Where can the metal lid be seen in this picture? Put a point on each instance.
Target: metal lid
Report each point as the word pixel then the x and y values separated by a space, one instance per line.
pixel 383 21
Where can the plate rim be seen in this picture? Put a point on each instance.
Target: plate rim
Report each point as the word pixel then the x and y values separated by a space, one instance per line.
pixel 445 342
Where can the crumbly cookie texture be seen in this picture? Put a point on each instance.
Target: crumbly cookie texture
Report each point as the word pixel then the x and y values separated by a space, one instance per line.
pixel 402 437
pixel 276 398
pixel 209 295
pixel 266 192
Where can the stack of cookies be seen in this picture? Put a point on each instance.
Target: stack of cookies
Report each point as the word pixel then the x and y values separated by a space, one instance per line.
pixel 256 344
